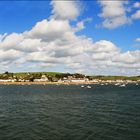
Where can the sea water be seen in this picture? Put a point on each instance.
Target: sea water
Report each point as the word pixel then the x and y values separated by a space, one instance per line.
pixel 69 112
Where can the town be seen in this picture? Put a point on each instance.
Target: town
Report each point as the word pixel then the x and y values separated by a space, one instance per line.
pixel 55 77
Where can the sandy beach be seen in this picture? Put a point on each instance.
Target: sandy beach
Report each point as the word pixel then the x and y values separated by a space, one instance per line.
pixel 45 83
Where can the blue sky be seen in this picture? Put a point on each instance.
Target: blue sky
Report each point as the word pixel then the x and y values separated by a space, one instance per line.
pixel 95 24
pixel 19 16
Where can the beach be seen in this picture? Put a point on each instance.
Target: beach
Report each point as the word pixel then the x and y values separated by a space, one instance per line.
pixel 46 83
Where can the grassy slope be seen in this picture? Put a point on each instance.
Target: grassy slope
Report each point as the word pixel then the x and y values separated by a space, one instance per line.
pixel 117 77
pixel 52 74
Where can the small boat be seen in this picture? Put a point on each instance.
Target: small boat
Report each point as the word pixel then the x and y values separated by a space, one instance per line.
pixel 117 84
pixel 122 85
pixel 82 86
pixel 88 86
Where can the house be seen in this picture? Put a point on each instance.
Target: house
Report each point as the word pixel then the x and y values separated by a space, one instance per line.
pixel 79 80
pixel 43 78
pixel 21 80
pixel 5 80
pixel 94 80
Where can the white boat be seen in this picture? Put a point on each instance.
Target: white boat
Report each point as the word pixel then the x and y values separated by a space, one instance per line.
pixel 82 86
pixel 122 85
pixel 117 84
pixel 88 86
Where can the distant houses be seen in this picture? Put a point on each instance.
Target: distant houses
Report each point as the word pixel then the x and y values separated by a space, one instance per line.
pixel 75 80
pixel 43 78
pixel 64 78
pixel 8 80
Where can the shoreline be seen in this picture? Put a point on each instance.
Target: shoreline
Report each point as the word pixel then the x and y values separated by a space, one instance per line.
pixel 46 83
pixel 63 83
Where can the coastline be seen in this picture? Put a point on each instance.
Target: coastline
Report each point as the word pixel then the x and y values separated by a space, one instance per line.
pixel 63 83
pixel 46 83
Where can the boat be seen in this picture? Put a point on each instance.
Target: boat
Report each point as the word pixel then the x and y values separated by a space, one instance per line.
pixel 122 85
pixel 88 86
pixel 117 84
pixel 82 85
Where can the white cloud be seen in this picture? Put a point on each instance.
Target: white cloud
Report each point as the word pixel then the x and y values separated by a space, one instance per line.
pixel 74 53
pixel 136 5
pixel 54 43
pixel 81 24
pixel 112 9
pixel 30 45
pixel 11 41
pixel 118 13
pixel 104 46
pixel 137 39
pixel 136 15
pixel 113 14
pixel 47 29
pixel 9 55
pixel 2 36
pixel 65 9
pixel 130 57
pixel 112 23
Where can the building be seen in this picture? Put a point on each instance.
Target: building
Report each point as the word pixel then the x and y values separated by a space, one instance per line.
pixel 43 78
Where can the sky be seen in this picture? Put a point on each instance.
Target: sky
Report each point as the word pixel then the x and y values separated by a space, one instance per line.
pixel 90 37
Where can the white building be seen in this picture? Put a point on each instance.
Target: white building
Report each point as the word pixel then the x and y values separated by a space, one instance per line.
pixel 8 80
pixel 78 80
pixel 43 79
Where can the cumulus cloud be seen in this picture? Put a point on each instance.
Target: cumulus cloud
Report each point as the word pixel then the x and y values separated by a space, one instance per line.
pixel 11 41
pixel 137 39
pixel 113 13
pixel 48 30
pixel 136 5
pixel 132 57
pixel 136 15
pixel 105 46
pixel 81 24
pixel 9 54
pixel 118 13
pixel 112 23
pixel 75 53
pixel 54 43
pixel 65 9
pixel 112 8
pixel 2 36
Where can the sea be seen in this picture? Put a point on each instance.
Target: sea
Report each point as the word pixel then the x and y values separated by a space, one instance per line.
pixel 69 112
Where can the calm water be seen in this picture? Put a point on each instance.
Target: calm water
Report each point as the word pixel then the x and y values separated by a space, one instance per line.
pixel 69 112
